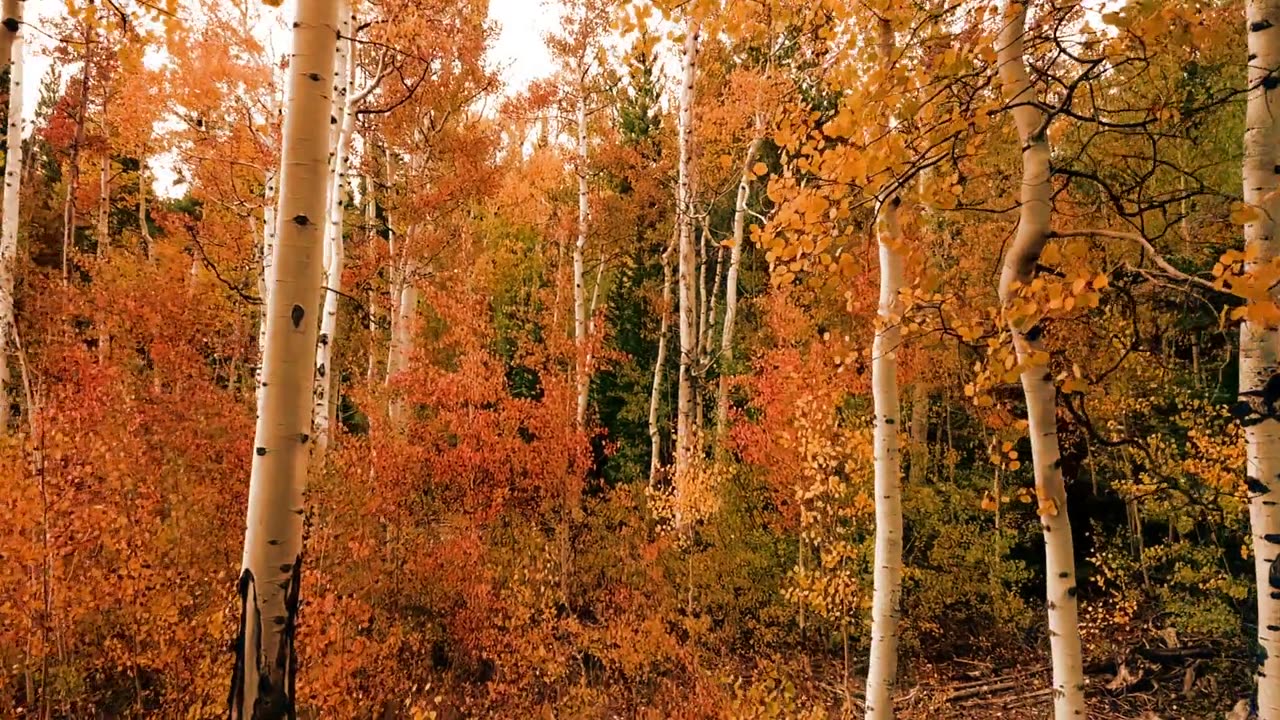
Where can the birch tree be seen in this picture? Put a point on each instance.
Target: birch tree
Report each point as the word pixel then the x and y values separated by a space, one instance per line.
pixel 1260 341
pixel 263 678
pixel 12 211
pixel 688 265
pixel 883 670
pixel 1018 270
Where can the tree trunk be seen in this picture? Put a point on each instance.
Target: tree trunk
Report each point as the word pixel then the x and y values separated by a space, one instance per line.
pixel 144 230
pixel 10 24
pixel 582 376
pixel 731 279
pixel 12 211
pixel 1259 363
pixel 1041 395
pixel 73 176
pixel 688 262
pixel 344 109
pixel 660 364
pixel 882 673
pixel 263 680
pixel 919 433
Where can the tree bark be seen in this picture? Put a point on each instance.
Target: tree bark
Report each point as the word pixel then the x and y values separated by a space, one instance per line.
pixel 688 262
pixel 10 24
pixel 12 211
pixel 660 363
pixel 344 109
pixel 882 673
pixel 731 279
pixel 263 679
pixel 73 175
pixel 1259 361
pixel 583 375
pixel 1035 213
pixel 919 433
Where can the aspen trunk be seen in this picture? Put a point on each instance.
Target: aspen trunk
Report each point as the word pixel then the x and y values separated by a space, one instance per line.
pixel 102 232
pixel 73 176
pixel 1041 395
pixel 345 110
pixel 12 211
pixel 144 230
pixel 267 277
pixel 688 262
pixel 1259 361
pixel 882 672
pixel 919 433
pixel 582 376
pixel 10 24
pixel 263 680
pixel 660 364
pixel 731 280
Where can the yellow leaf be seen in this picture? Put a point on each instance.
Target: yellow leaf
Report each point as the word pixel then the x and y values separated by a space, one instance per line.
pixel 989 502
pixel 1242 214
pixel 1048 507
pixel 759 169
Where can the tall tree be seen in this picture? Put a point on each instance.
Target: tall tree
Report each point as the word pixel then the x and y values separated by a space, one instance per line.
pixel 1260 340
pixel 1019 268
pixel 263 679
pixel 12 211
pixel 883 670
pixel 687 262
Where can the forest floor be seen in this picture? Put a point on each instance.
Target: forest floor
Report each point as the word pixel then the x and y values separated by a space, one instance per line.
pixel 1135 688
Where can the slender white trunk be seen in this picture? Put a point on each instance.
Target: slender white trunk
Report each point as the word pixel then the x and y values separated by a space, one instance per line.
pixel 580 339
pixel 1259 344
pixel 1037 383
pixel 882 673
pixel 371 235
pixel 660 364
pixel 266 278
pixel 731 278
pixel 688 262
pixel 345 109
pixel 263 681
pixel 12 214
pixel 103 234
pixel 10 24
pixel 143 228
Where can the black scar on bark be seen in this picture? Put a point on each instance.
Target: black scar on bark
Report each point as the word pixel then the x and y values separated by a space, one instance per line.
pixel 11 24
pixel 1034 332
pixel 1273 575
pixel 261 451
pixel 1256 486
pixel 1064 574
pixel 1259 25
pixel 303 438
pixel 1272 538
pixel 1273 628
pixel 320 369
pixel 1270 82
pixel 316 77
pixel 237 647
pixel 301 220
pixel 1071 591
pixel 296 315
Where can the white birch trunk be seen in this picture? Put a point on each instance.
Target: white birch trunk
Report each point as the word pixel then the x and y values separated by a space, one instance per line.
pixel 1037 383
pixel 660 364
pixel 144 230
pixel 582 376
pixel 882 673
pixel 1259 361
pixel 267 277
pixel 10 24
pixel 731 279
pixel 687 281
pixel 345 107
pixel 12 211
pixel 263 681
